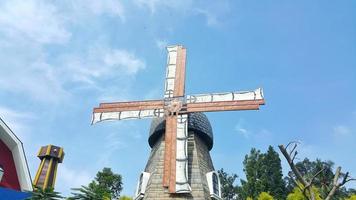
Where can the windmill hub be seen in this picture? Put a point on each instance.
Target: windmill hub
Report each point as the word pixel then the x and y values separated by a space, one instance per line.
pixel 173 106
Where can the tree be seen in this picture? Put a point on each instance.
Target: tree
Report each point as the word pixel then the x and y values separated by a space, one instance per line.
pixel 264 196
pixel 91 192
pixel 125 198
pixel 264 174
pixel 228 189
pixel 110 181
pixel 272 176
pixel 307 184
pixel 106 185
pixel 308 168
pixel 44 194
pixel 252 187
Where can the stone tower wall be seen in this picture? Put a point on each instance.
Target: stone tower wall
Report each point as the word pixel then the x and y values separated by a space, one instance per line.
pixel 199 164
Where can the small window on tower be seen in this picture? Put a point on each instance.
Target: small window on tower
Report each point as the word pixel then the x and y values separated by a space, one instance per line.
pixel 140 182
pixel 214 185
pixel 141 185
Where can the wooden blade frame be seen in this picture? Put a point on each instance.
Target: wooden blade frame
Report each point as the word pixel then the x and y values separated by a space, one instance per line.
pixel 169 156
pixel 116 109
pixel 224 106
pixel 169 175
pixel 179 83
pixel 130 106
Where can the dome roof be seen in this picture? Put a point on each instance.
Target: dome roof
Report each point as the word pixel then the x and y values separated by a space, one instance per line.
pixel 197 122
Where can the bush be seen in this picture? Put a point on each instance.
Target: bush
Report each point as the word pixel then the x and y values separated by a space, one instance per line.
pixel 353 197
pixel 125 198
pixel 298 195
pixel 265 196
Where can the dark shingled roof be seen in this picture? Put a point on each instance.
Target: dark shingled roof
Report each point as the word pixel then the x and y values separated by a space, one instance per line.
pixel 197 122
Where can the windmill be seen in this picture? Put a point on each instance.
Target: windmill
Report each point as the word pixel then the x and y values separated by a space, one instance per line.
pixel 175 107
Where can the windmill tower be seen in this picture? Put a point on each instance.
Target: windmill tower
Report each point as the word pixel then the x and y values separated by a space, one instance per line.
pixel 182 140
pixel 200 173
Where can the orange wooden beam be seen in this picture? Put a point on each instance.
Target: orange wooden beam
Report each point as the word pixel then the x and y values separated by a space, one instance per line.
pixel 130 108
pixel 173 156
pixel 226 103
pixel 171 121
pixel 221 108
pixel 179 82
pixel 132 104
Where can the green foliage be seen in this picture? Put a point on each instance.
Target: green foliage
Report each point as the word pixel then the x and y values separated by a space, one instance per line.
pixel 264 196
pixel 91 192
pixel 297 194
pixel 351 191
pixel 263 173
pixel 352 197
pixel 323 181
pixel 125 198
pixel 106 186
pixel 44 194
pixel 252 165
pixel 249 198
pixel 228 189
pixel 110 181
pixel 308 168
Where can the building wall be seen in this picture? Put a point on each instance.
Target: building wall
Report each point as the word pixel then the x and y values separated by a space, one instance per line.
pixel 198 165
pixel 10 178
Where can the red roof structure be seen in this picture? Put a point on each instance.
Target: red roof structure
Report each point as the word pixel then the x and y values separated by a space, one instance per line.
pixel 13 161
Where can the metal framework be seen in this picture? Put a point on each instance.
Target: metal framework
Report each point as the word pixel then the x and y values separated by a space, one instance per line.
pixel 175 108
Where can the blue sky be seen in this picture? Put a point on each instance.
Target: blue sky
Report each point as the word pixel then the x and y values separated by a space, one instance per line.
pixel 59 59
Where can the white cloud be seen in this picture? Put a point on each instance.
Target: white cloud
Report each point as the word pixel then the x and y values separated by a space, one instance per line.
pixel 154 5
pixel 29 27
pixel 13 115
pixel 113 144
pixel 240 128
pixel 100 63
pixel 26 26
pixel 113 7
pixel 36 79
pixel 122 60
pixel 260 134
pixel 212 11
pixel 211 18
pixel 341 131
pixel 33 20
pixel 88 8
pixel 17 121
pixel 29 73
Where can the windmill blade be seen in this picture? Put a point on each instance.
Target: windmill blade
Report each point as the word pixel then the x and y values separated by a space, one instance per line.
pixel 169 156
pixel 175 175
pixel 223 106
pixel 131 104
pixel 175 72
pixel 181 171
pixel 225 101
pixel 226 96
pixel 128 110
